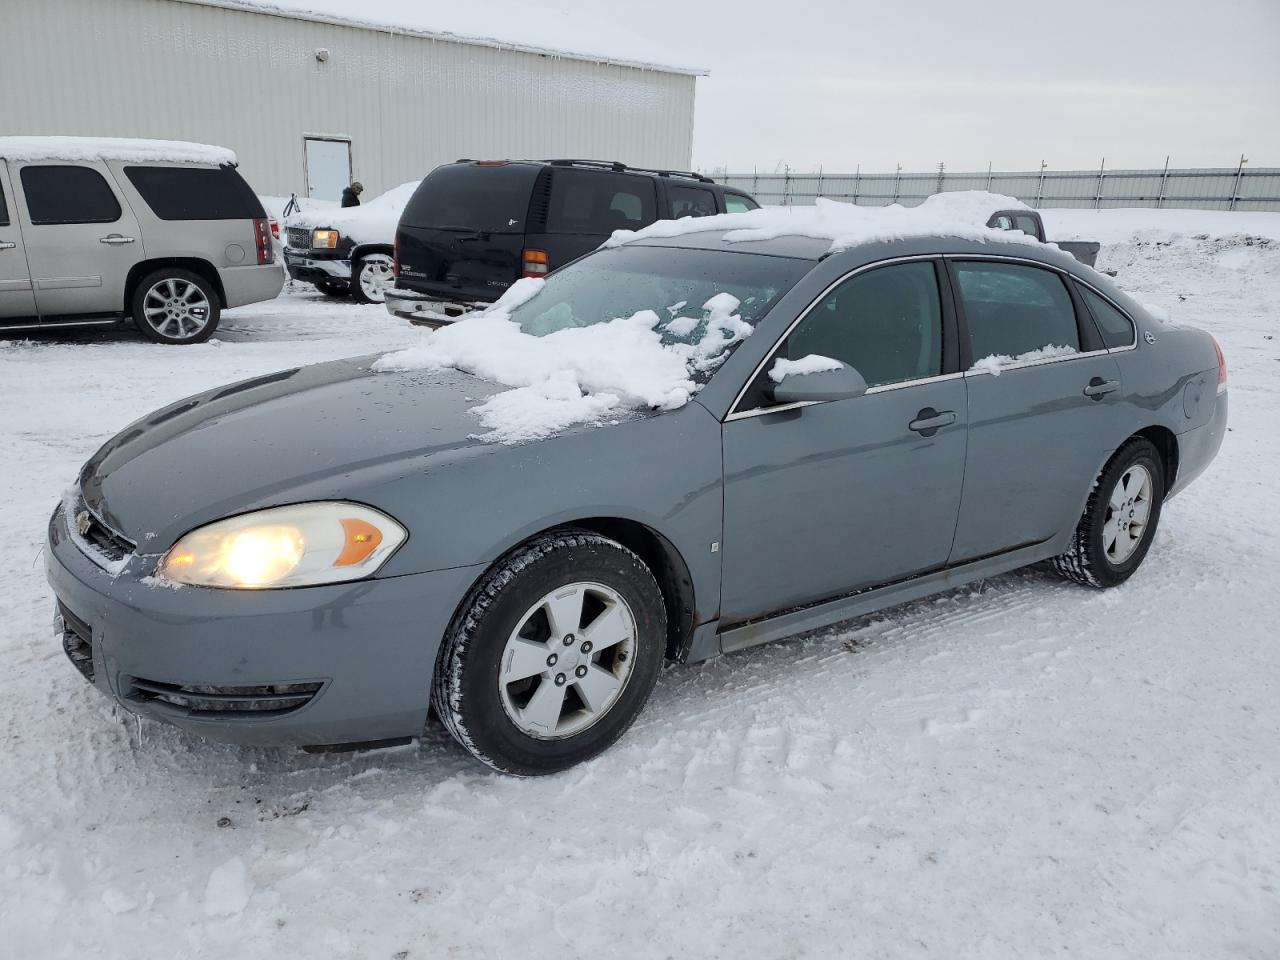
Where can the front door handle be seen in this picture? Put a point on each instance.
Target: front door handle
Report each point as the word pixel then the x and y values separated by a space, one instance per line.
pixel 1099 388
pixel 929 421
pixel 115 238
pixel 7 244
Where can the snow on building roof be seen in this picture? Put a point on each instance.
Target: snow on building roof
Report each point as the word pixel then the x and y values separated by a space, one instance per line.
pixel 112 148
pixel 961 214
pixel 538 33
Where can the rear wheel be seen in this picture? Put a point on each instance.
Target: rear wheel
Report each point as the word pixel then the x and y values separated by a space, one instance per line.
pixel 175 306
pixel 372 278
pixel 552 655
pixel 1120 519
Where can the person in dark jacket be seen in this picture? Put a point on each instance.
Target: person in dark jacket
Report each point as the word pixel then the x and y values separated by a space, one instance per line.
pixel 351 194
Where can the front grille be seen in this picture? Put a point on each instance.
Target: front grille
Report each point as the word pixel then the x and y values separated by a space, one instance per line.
pixel 77 642
pixel 298 238
pixel 101 537
pixel 203 700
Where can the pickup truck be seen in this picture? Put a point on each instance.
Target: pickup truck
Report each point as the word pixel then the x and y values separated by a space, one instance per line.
pixel 1030 222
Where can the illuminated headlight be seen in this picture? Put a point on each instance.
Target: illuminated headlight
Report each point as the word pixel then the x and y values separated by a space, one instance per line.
pixel 324 239
pixel 294 546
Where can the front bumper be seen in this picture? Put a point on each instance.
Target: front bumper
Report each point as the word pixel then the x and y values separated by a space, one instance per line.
pixel 428 311
pixel 309 269
pixel 336 664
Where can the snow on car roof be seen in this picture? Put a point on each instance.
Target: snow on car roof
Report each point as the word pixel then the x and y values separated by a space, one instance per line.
pixel 112 148
pixel 961 214
pixel 526 29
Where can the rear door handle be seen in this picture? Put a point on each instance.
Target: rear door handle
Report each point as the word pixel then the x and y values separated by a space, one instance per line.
pixel 115 238
pixel 1099 388
pixel 7 245
pixel 929 421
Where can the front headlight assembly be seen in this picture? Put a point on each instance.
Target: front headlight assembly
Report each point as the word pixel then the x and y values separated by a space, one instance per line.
pixel 295 546
pixel 325 239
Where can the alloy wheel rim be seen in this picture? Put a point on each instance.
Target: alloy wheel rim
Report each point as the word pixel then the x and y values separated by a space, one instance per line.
pixel 376 278
pixel 567 661
pixel 1128 512
pixel 176 309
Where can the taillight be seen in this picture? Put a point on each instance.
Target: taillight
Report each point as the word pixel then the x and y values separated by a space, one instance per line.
pixel 262 238
pixel 1222 367
pixel 275 228
pixel 395 257
pixel 535 263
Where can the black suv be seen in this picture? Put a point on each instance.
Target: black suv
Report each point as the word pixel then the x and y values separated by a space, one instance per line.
pixel 474 227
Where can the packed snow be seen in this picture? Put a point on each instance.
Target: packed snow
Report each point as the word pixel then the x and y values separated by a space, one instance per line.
pixel 371 222
pixel 1018 768
pixel 993 363
pixel 813 363
pixel 112 148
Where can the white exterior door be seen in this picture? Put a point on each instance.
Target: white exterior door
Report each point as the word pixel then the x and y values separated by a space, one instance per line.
pixel 328 168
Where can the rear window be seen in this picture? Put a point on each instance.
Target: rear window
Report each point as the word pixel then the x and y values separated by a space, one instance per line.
pixel 195 193
pixel 58 195
pixel 691 202
pixel 468 196
pixel 1117 329
pixel 588 201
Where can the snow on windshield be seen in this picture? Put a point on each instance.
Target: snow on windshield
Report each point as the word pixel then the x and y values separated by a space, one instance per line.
pixel 565 374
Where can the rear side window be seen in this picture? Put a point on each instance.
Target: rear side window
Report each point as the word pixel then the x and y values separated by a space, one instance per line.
pixel 4 211
pixel 691 202
pixel 736 203
pixel 195 193
pixel 474 197
pixel 1027 225
pixel 1117 329
pixel 1014 310
pixel 58 194
pixel 584 201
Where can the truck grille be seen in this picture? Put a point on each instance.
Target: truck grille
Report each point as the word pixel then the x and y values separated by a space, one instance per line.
pixel 204 700
pixel 77 642
pixel 298 238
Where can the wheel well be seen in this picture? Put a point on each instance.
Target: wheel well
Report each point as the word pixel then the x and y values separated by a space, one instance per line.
pixel 1167 443
pixel 668 567
pixel 365 249
pixel 202 268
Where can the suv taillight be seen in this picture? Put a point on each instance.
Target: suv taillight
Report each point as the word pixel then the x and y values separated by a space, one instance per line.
pixel 262 238
pixel 1222 367
pixel 535 263
pixel 395 257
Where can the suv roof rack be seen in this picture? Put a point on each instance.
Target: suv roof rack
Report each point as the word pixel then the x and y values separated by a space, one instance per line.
pixel 622 167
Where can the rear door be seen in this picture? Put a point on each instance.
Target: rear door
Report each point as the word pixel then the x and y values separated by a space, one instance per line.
pixel 81 237
pixel 462 233
pixel 17 300
pixel 577 209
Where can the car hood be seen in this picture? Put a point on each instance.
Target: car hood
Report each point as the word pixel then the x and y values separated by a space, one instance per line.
pixel 325 431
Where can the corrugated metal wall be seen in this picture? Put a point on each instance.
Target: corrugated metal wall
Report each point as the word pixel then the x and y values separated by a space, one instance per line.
pixel 1226 188
pixel 156 68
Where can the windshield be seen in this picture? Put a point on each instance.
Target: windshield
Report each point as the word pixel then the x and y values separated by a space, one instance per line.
pixel 689 293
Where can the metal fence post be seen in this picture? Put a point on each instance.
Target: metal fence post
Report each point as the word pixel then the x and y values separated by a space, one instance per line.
pixel 1040 185
pixel 1097 195
pixel 1164 178
pixel 897 183
pixel 819 193
pixel 1235 190
pixel 988 176
pixel 942 170
pixel 857 182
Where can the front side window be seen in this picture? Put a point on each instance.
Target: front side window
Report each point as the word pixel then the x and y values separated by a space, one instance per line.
pixel 736 203
pixel 885 323
pixel 691 202
pixel 195 193
pixel 590 201
pixel 1116 328
pixel 1015 311
pixel 64 194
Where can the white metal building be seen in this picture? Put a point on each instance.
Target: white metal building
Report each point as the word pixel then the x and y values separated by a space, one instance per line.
pixel 310 101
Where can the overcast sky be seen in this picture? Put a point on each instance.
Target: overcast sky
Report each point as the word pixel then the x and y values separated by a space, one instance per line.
pixel 1013 82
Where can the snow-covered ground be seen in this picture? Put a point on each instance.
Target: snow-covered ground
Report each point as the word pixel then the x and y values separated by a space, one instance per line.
pixel 1025 768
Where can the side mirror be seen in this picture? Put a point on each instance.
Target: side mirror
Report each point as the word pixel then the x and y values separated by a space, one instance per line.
pixel 842 384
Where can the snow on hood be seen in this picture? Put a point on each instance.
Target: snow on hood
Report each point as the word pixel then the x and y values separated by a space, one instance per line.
pixel 112 148
pixel 579 374
pixel 962 214
pixel 372 222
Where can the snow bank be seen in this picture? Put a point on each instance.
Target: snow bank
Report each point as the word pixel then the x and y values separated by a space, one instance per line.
pixel 579 374
pixel 1124 224
pixel 372 222
pixel 813 363
pixel 112 148
pixel 993 363
pixel 961 214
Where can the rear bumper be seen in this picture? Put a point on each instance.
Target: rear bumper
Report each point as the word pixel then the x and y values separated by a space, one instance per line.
pixel 335 664
pixel 316 270
pixel 428 311
pixel 1198 446
pixel 251 284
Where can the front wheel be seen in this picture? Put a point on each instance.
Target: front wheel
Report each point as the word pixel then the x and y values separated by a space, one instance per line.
pixel 1120 519
pixel 175 306
pixel 552 655
pixel 372 278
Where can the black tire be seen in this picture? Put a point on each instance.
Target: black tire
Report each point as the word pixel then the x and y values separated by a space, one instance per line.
pixel 358 266
pixel 1085 559
pixel 465 690
pixel 334 288
pixel 138 303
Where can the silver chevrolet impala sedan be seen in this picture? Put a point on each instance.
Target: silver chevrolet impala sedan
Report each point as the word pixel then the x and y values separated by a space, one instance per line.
pixel 321 556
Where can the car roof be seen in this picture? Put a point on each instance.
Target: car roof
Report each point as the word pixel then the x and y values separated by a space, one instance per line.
pixel 75 149
pixel 602 166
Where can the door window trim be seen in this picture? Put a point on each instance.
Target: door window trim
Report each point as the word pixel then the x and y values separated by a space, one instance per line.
pixel 944 295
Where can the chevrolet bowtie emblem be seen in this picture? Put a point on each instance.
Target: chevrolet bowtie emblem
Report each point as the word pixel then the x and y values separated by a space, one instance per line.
pixel 83 522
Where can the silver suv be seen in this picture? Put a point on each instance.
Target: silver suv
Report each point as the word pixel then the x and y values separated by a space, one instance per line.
pixel 96 231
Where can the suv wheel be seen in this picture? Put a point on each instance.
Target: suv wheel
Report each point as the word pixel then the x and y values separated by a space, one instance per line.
pixel 175 306
pixel 373 278
pixel 552 655
pixel 1119 520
